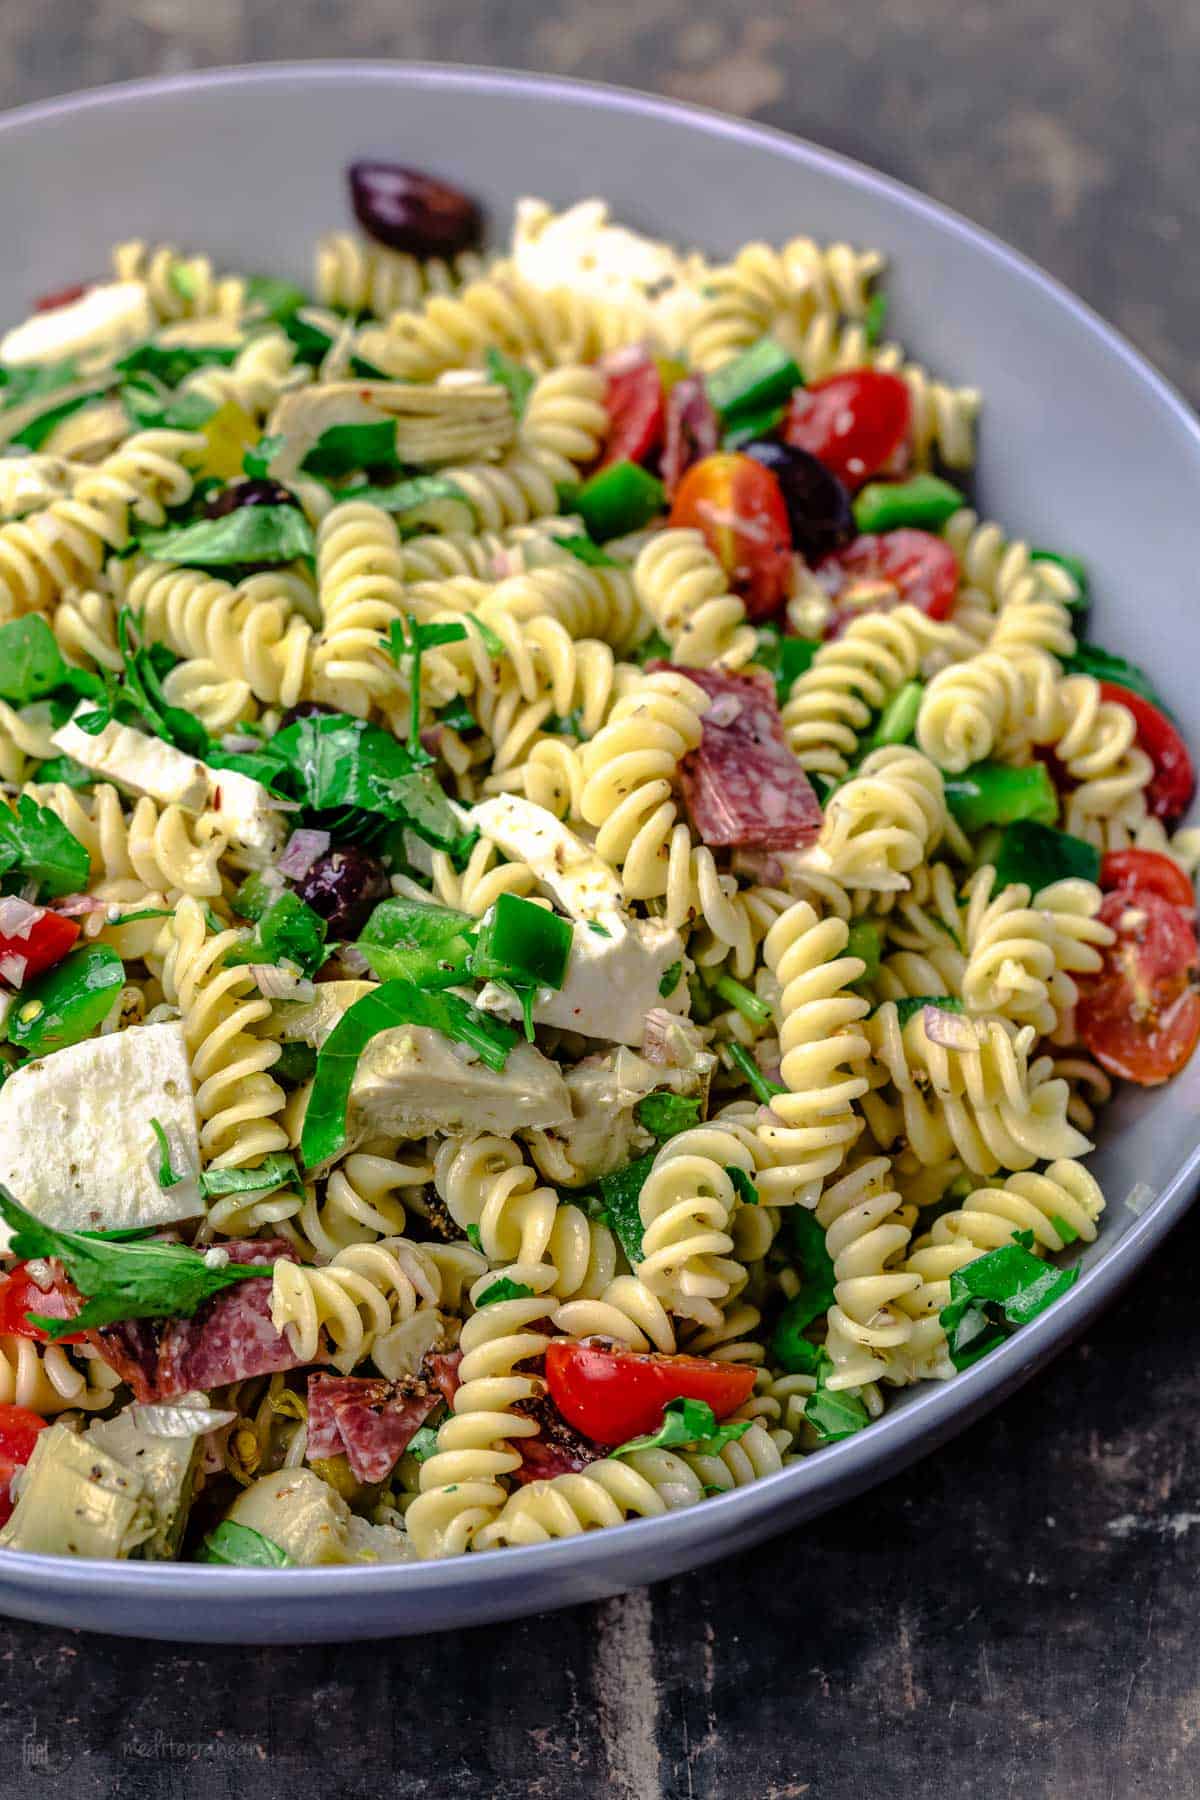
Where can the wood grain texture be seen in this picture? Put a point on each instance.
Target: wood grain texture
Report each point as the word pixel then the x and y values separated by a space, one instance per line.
pixel 1016 1616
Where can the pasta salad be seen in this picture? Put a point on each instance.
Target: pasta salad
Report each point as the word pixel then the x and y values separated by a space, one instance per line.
pixel 567 907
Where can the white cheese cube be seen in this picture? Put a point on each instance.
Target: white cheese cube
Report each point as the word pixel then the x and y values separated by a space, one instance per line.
pixel 134 760
pixel 76 1143
pixel 582 883
pixel 104 320
pixel 244 810
pixel 612 982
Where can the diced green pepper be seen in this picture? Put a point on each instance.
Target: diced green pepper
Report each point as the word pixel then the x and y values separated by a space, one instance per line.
pixel 416 940
pixel 68 1002
pixel 762 377
pixel 747 428
pixel 993 793
pixel 522 943
pixel 898 720
pixel 619 499
pixel 1038 855
pixel 925 501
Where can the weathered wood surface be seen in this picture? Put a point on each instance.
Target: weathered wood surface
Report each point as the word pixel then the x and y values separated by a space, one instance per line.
pixel 1015 1617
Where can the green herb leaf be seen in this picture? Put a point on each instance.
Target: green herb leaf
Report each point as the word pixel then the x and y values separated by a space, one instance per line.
pixel 150 410
pixel 503 1289
pixel 341 449
pixel 67 1003
pixel 296 1063
pixel 1039 856
pixel 172 363
pixel 277 1170
pixel 784 657
pixel 33 435
pixel 690 1422
pixel 29 381
pixel 256 462
pixel 241 1547
pixel 666 1115
pixel 617 1196
pixel 876 317
pixel 423 1443
pixel 251 534
pixel 167 1178
pixel 66 770
pixel 671 977
pixel 837 1415
pixel 866 942
pixel 273 297
pixel 763 1090
pixel 912 1004
pixel 585 550
pixel 603 931
pixel 393 1003
pixel 513 377
pixel 288 931
pixel 419 503
pixel 789 1346
pixel 474 1238
pixel 35 844
pixel 746 1189
pixel 1076 568
pixel 32 665
pixel 1090 659
pixel 121 1281
pixel 1001 1290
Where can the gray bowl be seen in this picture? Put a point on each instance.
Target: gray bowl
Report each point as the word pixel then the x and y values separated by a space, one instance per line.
pixel 1083 447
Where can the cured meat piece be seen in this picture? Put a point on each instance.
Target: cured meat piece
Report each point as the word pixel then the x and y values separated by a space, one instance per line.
pixel 441 1367
pixel 231 1337
pixel 131 1348
pixel 372 1421
pixel 742 785
pixel 558 1448
pixel 692 430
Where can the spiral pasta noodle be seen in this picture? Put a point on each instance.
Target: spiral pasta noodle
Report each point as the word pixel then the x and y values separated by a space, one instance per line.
pixel 354 275
pixel 684 589
pixel 356 1297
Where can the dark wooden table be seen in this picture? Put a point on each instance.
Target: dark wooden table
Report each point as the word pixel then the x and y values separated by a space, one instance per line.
pixel 1016 1617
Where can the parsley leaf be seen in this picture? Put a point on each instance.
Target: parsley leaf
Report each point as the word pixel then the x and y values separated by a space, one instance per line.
pixel 690 1422
pixel 503 1289
pixel 665 1115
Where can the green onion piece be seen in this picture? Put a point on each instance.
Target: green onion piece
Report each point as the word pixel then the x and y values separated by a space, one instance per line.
pixel 287 931
pixel 762 377
pixel 742 1000
pixel 522 943
pixel 619 499
pixel 68 1002
pixel 1038 855
pixel 760 1087
pixel 925 501
pixel 418 941
pixel 992 793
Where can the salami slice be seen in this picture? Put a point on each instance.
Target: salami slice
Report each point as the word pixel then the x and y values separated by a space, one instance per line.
pixel 441 1367
pixel 372 1421
pixel 558 1448
pixel 131 1348
pixel 231 1337
pixel 743 786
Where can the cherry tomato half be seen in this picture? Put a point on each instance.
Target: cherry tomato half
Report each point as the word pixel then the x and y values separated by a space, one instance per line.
pixel 855 423
pixel 1150 871
pixel 633 396
pixel 614 1395
pixel 20 1294
pixel 60 297
pixel 47 942
pixel 920 567
pixel 1139 1015
pixel 738 506
pixel 19 1430
pixel 1174 778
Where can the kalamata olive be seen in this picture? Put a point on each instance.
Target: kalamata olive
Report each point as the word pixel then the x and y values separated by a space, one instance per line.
pixel 343 886
pixel 304 709
pixel 410 211
pixel 260 492
pixel 818 506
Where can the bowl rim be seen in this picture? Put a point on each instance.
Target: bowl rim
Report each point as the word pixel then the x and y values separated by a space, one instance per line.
pixel 937 1410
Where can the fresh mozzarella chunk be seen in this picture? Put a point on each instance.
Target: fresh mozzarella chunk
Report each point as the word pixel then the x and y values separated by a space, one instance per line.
pixel 244 810
pixel 134 760
pixel 613 979
pixel 77 1146
pixel 581 250
pixel 104 320
pixel 582 883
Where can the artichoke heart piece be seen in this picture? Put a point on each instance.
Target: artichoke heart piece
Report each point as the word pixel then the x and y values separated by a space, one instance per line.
pixel 433 424
pixel 77 1500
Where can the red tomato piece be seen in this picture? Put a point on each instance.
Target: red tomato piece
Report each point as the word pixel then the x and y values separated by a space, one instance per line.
pixel 47 942
pixel 614 1395
pixel 19 1430
pixel 634 399
pixel 739 506
pixel 60 297
pixel 1174 779
pixel 920 567
pixel 855 423
pixel 20 1294
pixel 1150 871
pixel 1139 1015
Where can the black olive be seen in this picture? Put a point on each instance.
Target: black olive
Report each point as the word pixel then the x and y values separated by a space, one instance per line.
pixel 260 492
pixel 410 211
pixel 818 506
pixel 343 886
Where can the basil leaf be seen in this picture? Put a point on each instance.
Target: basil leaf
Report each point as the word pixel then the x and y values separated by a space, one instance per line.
pixel 670 980
pixel 341 449
pixel 241 1547
pixel 516 380
pixel 251 534
pixel 287 931
pixel 32 665
pixel 277 1170
pixel 393 1003
pixel 1090 659
pixel 666 1115
pixel 148 1280
pixel 1039 855
pixel 334 760
pixel 37 845
pixel 688 1422
pixel 586 550
pixel 618 1195
pixel 794 1352
pixel 503 1289
pixel 278 300
pixel 420 502
pixel 150 410
pixel 1001 1290
pixel 66 770
pixel 837 1415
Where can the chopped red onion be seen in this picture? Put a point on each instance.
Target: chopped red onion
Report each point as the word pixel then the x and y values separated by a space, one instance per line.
pixel 17 917
pixel 948 1029
pixel 303 849
pixel 12 969
pixel 276 983
pixel 353 960
pixel 724 710
pixel 74 906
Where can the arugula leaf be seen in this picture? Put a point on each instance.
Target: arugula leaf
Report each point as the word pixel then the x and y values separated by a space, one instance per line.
pixel 423 1443
pixel 241 1547
pixel 146 1280
pixel 789 1346
pixel 334 760
pixel 835 1415
pixel 277 1170
pixel 172 363
pixel 150 410
pixel 37 845
pixel 743 1184
pixel 670 977
pixel 32 665
pixel 690 1422
pixel 287 931
pixel 140 698
pixel 666 1115
pixel 167 1178
pixel 277 299
pixel 419 502
pixel 251 534
pixel 392 1003
pixel 341 449
pixel 503 1289
pixel 513 377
